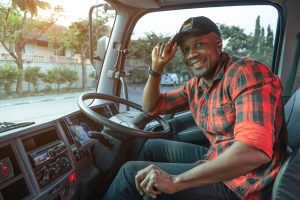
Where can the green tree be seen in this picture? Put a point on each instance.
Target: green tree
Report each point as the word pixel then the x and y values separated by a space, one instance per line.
pixel 14 29
pixel 32 76
pixel 59 75
pixel 56 39
pixel 142 48
pixel 138 76
pixel 237 41
pixel 30 5
pixel 76 39
pixel 262 44
pixel 257 46
pixel 50 77
pixel 8 75
pixel 69 75
pixel 269 45
pixel 256 37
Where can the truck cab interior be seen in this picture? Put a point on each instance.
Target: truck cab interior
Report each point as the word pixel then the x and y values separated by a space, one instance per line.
pixel 76 154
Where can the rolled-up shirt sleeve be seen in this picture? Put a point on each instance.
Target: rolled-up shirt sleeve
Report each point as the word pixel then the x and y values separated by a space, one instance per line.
pixel 171 102
pixel 256 96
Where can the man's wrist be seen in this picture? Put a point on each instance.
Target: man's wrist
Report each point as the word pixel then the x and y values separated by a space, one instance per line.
pixel 154 74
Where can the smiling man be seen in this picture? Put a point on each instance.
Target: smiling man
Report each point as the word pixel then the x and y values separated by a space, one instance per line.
pixel 236 102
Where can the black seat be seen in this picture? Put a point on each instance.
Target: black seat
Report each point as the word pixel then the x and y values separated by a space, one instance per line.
pixel 287 182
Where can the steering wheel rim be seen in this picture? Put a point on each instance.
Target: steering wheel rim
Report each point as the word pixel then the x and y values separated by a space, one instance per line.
pixel 118 127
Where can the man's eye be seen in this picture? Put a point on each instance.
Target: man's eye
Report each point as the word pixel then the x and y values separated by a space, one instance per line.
pixel 199 45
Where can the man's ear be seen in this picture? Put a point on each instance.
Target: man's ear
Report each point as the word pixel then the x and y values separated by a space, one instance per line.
pixel 219 44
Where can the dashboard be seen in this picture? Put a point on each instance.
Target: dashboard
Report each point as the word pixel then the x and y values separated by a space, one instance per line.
pixel 53 160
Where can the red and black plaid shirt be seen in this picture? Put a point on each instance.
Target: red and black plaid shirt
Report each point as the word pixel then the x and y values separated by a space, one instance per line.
pixel 243 103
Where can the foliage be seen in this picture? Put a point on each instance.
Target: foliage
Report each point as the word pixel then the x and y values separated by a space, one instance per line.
pixel 30 5
pixel 137 76
pixel 258 46
pixel 8 75
pixel 76 38
pixel 142 47
pixel 50 77
pixel 56 39
pixel 32 76
pixel 236 42
pixel 16 29
pixel 10 22
pixel 69 75
pixel 58 76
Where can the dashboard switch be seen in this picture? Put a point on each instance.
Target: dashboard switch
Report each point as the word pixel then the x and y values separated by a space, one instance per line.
pixel 6 169
pixel 72 177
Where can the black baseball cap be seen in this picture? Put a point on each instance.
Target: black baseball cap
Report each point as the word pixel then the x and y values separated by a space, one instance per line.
pixel 196 25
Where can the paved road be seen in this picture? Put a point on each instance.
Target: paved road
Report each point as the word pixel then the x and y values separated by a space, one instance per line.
pixel 43 108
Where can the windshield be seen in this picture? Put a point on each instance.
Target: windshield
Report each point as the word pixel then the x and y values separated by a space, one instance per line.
pixel 246 31
pixel 44 63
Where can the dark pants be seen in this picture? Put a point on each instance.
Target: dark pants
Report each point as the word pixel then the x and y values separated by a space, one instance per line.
pixel 174 158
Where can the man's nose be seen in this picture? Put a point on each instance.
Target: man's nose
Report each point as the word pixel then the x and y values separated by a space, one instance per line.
pixel 192 53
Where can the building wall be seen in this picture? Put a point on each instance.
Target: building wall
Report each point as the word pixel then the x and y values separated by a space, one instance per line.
pixel 44 57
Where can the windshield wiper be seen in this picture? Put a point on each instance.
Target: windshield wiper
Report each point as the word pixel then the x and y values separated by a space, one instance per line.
pixel 6 126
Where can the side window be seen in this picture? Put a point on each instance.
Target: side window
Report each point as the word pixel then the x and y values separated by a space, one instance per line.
pixel 245 31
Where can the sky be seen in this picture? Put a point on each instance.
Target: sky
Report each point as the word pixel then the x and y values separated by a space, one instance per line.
pixel 73 10
pixel 244 17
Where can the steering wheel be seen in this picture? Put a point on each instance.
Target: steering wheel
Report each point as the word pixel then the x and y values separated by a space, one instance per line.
pixel 127 123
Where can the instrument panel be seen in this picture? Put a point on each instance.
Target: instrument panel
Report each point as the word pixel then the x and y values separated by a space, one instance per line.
pixel 50 160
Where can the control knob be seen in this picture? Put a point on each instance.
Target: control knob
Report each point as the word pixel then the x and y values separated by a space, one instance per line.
pixel 64 163
pixel 52 152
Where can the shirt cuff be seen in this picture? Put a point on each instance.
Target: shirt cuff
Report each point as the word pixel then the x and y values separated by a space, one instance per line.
pixel 255 136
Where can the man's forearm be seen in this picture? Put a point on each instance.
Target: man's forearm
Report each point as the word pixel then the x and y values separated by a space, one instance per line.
pixel 161 54
pixel 151 94
pixel 238 160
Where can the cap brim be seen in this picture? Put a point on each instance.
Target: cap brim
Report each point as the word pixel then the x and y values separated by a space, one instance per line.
pixel 177 38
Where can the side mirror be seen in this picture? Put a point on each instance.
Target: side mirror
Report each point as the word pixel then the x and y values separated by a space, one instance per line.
pixel 102 43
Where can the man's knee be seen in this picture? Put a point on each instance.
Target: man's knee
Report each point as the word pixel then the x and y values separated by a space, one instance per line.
pixel 130 168
pixel 150 149
pixel 149 145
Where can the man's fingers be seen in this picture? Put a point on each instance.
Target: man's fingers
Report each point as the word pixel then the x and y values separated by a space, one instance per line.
pixel 139 177
pixel 144 185
pixel 170 49
pixel 150 186
pixel 162 50
pixel 173 49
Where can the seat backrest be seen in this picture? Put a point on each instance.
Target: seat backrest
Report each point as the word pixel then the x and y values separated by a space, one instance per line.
pixel 292 117
pixel 287 183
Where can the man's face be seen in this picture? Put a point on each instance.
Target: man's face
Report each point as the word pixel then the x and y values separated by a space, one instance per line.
pixel 201 53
